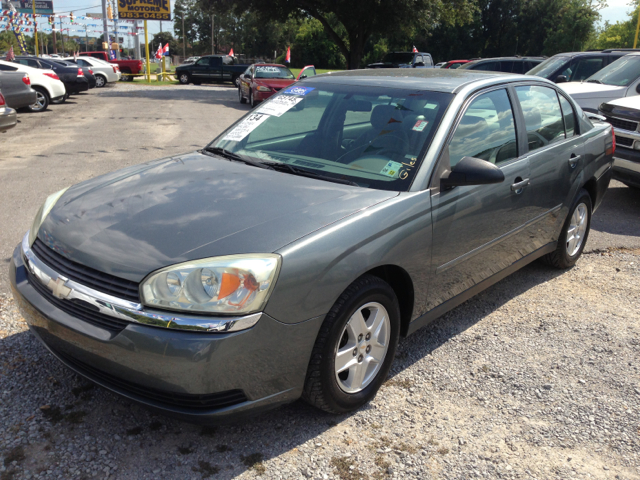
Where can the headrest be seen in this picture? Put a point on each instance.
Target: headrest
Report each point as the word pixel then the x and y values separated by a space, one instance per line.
pixel 381 115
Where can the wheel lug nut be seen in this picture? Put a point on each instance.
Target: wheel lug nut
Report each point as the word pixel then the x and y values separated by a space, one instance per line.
pixel 368 336
pixel 368 348
pixel 360 337
pixel 355 352
pixel 360 358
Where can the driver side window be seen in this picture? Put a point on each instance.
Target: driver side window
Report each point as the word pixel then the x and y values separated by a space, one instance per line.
pixel 486 130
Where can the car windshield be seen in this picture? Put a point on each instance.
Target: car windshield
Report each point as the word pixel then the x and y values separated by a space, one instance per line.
pixel 619 73
pixel 549 66
pixel 372 136
pixel 270 71
pixel 398 58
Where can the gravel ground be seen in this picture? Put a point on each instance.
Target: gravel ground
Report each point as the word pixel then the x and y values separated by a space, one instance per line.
pixel 536 378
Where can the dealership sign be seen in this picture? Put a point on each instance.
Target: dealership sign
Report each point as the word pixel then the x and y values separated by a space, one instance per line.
pixel 144 9
pixel 43 7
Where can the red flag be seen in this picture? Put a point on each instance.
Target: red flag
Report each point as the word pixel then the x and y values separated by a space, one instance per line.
pixel 159 51
pixel 415 50
pixel 10 55
pixel 231 52
pixel 288 57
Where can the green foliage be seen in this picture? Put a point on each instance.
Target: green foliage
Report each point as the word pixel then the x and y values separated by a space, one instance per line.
pixel 312 46
pixel 619 34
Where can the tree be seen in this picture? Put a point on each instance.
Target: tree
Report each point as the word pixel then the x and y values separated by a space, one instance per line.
pixel 350 23
pixel 619 34
pixel 163 38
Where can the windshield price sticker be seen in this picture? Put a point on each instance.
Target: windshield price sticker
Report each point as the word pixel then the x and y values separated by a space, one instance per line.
pixel 391 169
pixel 279 105
pixel 298 90
pixel 420 125
pixel 268 69
pixel 244 128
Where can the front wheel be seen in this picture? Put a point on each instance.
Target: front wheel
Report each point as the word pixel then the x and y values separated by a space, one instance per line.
pixel 183 78
pixel 42 100
pixel 575 232
pixel 355 347
pixel 251 100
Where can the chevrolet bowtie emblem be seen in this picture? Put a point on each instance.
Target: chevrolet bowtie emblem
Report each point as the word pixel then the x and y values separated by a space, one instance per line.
pixel 58 287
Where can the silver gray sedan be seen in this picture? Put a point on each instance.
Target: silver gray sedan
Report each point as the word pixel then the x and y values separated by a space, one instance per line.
pixel 287 257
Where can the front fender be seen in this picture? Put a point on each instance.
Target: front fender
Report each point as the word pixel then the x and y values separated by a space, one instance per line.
pixel 317 268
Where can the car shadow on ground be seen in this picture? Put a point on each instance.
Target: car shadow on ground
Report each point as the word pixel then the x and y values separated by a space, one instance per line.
pixel 212 96
pixel 619 212
pixel 76 408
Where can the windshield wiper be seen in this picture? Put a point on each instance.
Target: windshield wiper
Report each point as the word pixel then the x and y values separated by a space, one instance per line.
pixel 594 81
pixel 236 158
pixel 285 167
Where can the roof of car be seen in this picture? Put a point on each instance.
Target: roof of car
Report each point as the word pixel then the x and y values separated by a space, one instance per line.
pixel 493 59
pixel 269 65
pixel 435 79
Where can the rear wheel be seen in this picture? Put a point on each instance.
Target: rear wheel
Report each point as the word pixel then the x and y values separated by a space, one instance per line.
pixel 355 347
pixel 240 97
pixel 575 232
pixel 100 81
pixel 42 100
pixel 183 78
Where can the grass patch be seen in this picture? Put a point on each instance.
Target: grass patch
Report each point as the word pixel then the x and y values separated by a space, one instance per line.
pixel 319 71
pixel 405 447
pixel 134 431
pixel 206 469
pixel 254 462
pixel 16 454
pixel 346 470
pixel 382 462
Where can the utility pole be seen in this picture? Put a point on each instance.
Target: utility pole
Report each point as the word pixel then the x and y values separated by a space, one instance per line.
pixel 115 26
pixel 104 25
pixel 62 35
pixel 136 41
pixel 184 43
pixel 86 40
pixel 213 48
pixel 55 41
pixel 35 26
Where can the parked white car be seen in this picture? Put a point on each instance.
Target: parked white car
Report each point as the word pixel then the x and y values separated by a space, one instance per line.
pixel 46 83
pixel 104 72
pixel 619 79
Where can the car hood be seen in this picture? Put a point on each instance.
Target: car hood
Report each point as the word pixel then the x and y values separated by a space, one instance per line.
pixel 133 221
pixel 591 90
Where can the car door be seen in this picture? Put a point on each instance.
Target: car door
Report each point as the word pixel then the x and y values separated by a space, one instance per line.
pixel 200 70
pixel 215 68
pixel 308 71
pixel 245 83
pixel 583 68
pixel 554 151
pixel 480 230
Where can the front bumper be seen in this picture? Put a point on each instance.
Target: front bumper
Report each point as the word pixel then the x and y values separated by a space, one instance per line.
pixel 261 96
pixel 626 166
pixel 200 377
pixel 8 119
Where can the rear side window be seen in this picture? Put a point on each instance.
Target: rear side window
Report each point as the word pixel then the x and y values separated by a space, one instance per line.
pixel 542 115
pixel 486 130
pixel 7 68
pixel 507 66
pixel 569 117
pixel 487 66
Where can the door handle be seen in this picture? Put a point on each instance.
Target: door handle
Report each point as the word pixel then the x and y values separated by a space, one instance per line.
pixel 573 161
pixel 519 186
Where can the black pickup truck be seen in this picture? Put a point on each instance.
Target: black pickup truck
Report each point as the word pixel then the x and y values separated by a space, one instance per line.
pixel 404 60
pixel 212 68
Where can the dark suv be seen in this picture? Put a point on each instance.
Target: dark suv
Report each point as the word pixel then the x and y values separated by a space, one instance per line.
pixel 577 66
pixel 503 64
pixel 404 60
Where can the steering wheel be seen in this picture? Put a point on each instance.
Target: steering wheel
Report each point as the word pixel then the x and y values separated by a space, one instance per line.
pixel 386 145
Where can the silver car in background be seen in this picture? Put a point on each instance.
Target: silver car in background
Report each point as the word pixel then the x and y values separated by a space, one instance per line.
pixel 103 71
pixel 287 257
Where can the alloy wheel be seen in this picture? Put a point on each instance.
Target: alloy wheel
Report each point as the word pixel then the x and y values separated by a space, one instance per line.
pixel 100 82
pixel 40 101
pixel 577 229
pixel 363 347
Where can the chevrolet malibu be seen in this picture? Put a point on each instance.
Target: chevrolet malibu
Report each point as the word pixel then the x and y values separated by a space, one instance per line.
pixel 287 257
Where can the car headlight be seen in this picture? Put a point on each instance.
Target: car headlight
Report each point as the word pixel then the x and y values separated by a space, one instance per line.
pixel 260 88
pixel 232 284
pixel 42 214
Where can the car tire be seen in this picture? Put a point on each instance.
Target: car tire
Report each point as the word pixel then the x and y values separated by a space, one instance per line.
pixel 183 78
pixel 240 97
pixel 574 235
pixel 349 335
pixel 42 100
pixel 251 101
pixel 100 81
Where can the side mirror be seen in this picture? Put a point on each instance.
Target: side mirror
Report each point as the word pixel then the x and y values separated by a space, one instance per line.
pixel 561 79
pixel 472 171
pixel 638 88
pixel 418 64
pixel 302 76
pixel 246 76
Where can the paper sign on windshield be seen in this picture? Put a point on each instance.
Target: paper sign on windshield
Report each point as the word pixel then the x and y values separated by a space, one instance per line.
pixel 279 105
pixel 268 69
pixel 391 169
pixel 298 90
pixel 244 128
pixel 420 125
